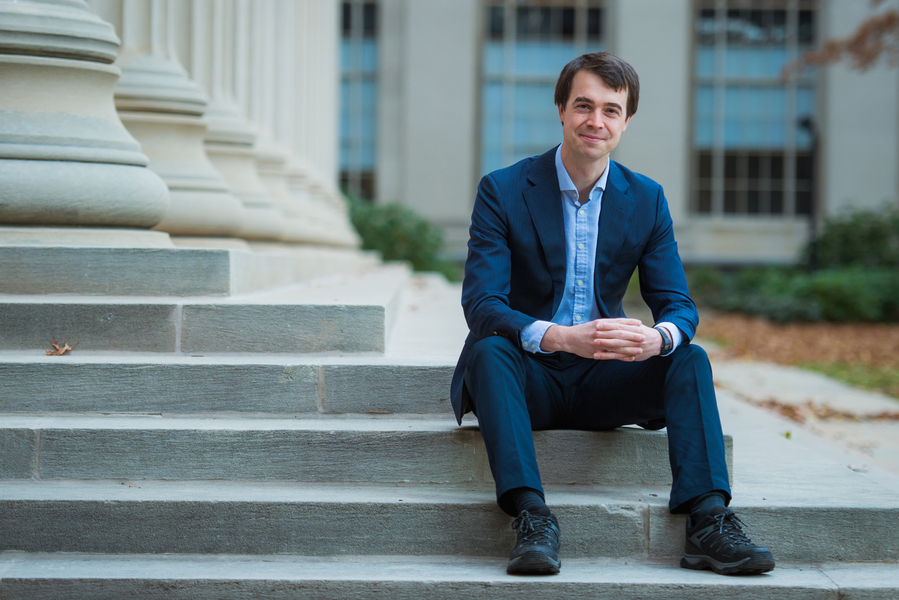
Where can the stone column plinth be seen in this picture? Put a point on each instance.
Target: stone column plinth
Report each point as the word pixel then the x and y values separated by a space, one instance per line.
pixel 230 137
pixel 163 108
pixel 65 158
pixel 324 210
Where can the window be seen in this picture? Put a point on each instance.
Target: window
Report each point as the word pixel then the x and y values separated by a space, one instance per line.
pixel 358 98
pixel 753 140
pixel 526 44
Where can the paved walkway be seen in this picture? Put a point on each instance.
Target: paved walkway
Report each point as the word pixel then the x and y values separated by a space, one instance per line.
pixel 863 424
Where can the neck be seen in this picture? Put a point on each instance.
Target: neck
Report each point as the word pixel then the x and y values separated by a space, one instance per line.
pixel 584 175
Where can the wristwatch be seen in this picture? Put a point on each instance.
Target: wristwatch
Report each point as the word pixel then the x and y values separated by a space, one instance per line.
pixel 667 343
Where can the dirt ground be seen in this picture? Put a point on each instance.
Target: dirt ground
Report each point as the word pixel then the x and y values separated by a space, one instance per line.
pixel 755 338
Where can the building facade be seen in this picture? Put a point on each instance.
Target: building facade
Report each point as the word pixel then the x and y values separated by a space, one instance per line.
pixel 438 93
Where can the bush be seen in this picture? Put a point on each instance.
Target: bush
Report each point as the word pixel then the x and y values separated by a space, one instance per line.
pixel 399 233
pixel 860 238
pixel 789 294
pixel 859 279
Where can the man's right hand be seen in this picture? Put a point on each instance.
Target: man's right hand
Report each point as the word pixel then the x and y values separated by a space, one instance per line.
pixel 602 339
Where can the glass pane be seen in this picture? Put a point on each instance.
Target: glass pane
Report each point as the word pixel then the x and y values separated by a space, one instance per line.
pixel 803 203
pixel 705 201
pixel 494 57
pixel 777 167
pixel 806 27
pixel 594 23
pixel 753 204
pixel 777 202
pixel 730 201
pixel 496 22
pixel 368 52
pixel 705 165
pixel 730 166
pixel 705 61
pixel 760 62
pixel 706 27
pixel 543 58
pixel 370 19
pixel 347 18
pixel 753 166
pixel 804 166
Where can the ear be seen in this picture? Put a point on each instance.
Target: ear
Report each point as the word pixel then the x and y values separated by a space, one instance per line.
pixel 561 113
pixel 626 121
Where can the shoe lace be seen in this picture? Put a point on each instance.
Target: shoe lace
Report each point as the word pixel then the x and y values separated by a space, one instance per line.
pixel 534 529
pixel 730 527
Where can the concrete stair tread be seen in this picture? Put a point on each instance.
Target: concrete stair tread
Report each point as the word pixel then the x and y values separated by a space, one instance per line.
pixel 165 271
pixel 235 517
pixel 316 447
pixel 130 382
pixel 113 576
pixel 362 288
pixel 392 422
pixel 349 314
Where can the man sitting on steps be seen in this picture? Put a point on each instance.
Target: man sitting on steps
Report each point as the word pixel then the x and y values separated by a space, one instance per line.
pixel 554 242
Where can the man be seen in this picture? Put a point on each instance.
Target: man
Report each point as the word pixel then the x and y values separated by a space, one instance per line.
pixel 554 242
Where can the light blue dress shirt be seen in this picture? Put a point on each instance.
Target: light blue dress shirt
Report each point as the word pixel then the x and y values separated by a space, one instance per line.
pixel 578 303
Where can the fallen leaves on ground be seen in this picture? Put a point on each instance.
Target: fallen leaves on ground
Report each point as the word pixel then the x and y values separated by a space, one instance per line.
pixel 60 349
pixel 803 412
pixel 755 338
pixel 863 354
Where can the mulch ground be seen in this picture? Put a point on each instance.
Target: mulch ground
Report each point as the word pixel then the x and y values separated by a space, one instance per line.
pixel 753 338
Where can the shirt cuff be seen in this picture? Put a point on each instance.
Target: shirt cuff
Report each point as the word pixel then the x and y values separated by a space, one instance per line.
pixel 674 332
pixel 532 335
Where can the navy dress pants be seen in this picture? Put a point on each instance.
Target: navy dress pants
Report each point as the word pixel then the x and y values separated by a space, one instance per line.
pixel 515 393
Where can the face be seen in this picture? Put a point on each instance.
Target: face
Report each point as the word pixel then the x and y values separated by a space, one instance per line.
pixel 593 119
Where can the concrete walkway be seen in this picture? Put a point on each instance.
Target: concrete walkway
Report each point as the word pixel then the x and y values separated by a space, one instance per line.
pixel 864 425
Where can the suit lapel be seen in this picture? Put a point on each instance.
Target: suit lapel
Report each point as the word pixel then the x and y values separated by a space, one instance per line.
pixel 544 202
pixel 614 221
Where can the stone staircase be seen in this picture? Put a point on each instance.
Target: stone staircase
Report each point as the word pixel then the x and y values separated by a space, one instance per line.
pixel 291 436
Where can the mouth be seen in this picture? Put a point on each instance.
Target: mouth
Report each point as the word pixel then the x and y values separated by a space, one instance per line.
pixel 593 139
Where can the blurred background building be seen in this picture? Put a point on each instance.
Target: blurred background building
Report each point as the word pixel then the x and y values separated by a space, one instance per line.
pixel 435 94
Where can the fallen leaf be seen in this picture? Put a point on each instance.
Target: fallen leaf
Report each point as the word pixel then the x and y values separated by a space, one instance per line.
pixel 60 348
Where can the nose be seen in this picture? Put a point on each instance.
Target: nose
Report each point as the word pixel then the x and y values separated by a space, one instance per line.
pixel 595 119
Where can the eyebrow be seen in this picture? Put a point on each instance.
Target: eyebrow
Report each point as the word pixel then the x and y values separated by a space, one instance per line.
pixel 589 101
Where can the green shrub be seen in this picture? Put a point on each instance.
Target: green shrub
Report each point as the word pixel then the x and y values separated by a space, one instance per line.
pixel 785 294
pixel 860 238
pixel 399 233
pixel 858 280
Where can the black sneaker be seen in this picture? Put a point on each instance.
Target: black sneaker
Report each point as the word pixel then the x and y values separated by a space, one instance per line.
pixel 717 542
pixel 537 550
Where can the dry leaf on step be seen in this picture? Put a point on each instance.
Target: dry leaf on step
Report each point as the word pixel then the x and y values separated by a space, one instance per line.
pixel 60 348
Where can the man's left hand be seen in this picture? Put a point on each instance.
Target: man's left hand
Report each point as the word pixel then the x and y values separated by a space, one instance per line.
pixel 652 344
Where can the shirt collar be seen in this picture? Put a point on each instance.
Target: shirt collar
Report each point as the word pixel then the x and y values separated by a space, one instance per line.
pixel 565 183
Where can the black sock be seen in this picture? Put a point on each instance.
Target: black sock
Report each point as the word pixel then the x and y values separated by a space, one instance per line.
pixel 530 500
pixel 704 503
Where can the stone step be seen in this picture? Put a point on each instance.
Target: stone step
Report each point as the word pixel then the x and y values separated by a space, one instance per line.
pixel 165 271
pixel 382 449
pixel 155 383
pixel 110 577
pixel 340 313
pixel 239 518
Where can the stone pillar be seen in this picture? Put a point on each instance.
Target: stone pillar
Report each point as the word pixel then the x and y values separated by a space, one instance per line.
pixel 321 204
pixel 272 76
pixel 230 137
pixel 163 108
pixel 65 158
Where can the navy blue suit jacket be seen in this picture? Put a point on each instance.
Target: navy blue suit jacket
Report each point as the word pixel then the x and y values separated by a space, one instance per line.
pixel 515 271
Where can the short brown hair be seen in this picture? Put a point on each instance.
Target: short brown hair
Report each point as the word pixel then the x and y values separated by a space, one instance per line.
pixel 614 72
